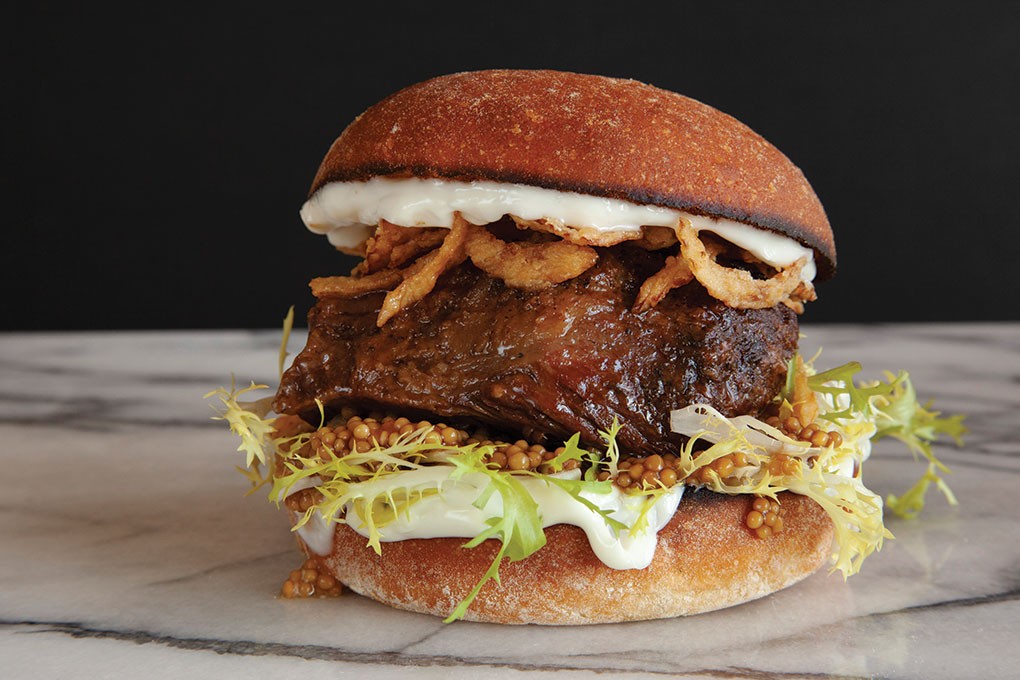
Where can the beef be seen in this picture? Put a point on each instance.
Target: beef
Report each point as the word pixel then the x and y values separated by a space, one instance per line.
pixel 545 364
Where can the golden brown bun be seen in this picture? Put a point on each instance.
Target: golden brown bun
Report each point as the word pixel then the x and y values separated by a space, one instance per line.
pixel 583 133
pixel 706 559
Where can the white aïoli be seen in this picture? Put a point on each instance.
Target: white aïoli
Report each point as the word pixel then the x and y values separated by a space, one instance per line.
pixel 452 513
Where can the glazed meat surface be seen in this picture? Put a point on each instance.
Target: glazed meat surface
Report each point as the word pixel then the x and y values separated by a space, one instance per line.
pixel 545 364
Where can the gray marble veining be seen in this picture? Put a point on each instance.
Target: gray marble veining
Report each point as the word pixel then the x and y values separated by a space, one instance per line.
pixel 127 543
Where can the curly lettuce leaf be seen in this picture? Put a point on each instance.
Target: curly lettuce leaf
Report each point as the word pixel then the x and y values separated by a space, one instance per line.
pixel 248 420
pixel 855 511
pixel 893 407
pixel 246 423
pixel 860 412
pixel 899 415
pixel 576 488
pixel 364 481
pixel 519 528
pixel 611 458
pixel 911 503
pixel 572 452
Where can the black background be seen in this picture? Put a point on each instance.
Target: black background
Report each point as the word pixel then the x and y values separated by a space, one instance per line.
pixel 156 157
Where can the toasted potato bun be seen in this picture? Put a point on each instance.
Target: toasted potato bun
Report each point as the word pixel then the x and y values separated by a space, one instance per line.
pixel 706 559
pixel 587 134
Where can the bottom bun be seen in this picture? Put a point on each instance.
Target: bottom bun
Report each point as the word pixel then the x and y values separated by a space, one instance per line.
pixel 706 559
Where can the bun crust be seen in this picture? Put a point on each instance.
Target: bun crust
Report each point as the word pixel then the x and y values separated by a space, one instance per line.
pixel 706 559
pixel 588 134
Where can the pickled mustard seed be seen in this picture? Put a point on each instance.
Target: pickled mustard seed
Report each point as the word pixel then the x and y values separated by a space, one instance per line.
pixel 349 433
pixel 311 580
pixel 795 428
pixel 764 518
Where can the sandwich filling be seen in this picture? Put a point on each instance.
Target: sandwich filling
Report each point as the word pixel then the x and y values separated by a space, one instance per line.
pixel 348 212
pixel 391 479
pixel 410 231
pixel 544 365
pixel 507 358
pixel 465 510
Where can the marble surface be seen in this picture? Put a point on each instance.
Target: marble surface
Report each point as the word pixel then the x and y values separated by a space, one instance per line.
pixel 128 546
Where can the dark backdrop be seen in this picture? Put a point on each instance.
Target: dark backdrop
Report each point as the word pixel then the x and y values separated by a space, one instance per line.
pixel 157 157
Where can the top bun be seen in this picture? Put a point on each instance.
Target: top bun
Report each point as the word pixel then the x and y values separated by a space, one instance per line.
pixel 587 134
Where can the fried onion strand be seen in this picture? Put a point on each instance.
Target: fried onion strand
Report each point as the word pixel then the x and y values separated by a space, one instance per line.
pixel 735 287
pixel 582 236
pixel 529 266
pixel 674 273
pixel 392 246
pixel 420 278
pixel 353 286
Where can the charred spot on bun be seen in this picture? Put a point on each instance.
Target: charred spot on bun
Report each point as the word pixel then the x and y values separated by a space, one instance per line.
pixel 562 384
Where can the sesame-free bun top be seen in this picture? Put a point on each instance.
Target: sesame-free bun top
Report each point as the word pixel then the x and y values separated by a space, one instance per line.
pixel 588 134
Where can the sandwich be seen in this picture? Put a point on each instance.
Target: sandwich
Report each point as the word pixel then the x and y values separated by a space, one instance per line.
pixel 562 383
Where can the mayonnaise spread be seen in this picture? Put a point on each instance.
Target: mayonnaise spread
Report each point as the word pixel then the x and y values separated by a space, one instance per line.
pixel 346 212
pixel 452 513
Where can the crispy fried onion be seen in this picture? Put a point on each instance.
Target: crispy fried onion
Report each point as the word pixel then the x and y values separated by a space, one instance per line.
pixel 393 246
pixel 412 283
pixel 735 287
pixel 582 236
pixel 656 238
pixel 420 278
pixel 676 273
pixel 533 266
pixel 805 292
pixel 530 266
pixel 353 286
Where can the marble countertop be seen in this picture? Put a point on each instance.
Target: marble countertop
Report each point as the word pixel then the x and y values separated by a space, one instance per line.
pixel 128 546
